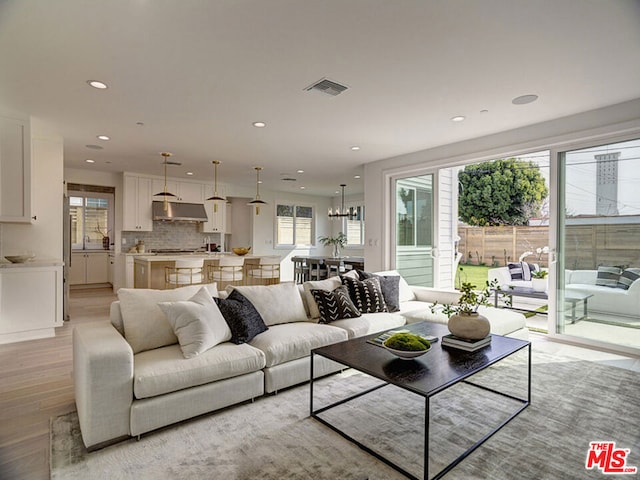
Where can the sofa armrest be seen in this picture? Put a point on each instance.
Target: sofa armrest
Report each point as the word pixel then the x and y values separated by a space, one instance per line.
pixel 103 382
pixel 432 295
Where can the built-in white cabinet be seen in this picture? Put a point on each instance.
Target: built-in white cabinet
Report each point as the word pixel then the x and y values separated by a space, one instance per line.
pixel 112 268
pixel 217 222
pixel 89 267
pixel 137 197
pixel 30 302
pixel 15 171
pixel 186 192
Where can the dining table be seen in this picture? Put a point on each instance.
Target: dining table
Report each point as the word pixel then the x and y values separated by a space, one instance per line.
pixel 316 267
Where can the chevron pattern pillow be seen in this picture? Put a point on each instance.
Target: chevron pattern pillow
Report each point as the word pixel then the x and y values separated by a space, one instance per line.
pixel 366 295
pixel 334 305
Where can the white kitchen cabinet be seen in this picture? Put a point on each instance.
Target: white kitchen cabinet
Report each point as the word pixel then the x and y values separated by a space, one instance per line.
pixel 186 192
pixel 112 268
pixel 217 220
pixel 136 209
pixel 15 171
pixel 30 302
pixel 89 268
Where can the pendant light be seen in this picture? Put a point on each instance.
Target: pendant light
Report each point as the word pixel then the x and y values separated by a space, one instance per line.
pixel 342 212
pixel 256 201
pixel 165 193
pixel 216 198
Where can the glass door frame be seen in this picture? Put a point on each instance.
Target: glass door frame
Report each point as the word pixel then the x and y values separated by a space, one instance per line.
pixel 556 245
pixel 390 215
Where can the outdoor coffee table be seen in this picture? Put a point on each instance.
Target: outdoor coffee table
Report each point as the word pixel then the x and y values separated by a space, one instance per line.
pixel 445 368
pixel 572 297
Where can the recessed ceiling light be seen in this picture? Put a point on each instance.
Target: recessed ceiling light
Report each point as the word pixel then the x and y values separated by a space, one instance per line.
pixel 97 84
pixel 88 160
pixel 259 124
pixel 356 176
pixel 355 148
pixel 302 188
pixel 189 173
pixel 336 192
pixel 300 171
pixel 458 118
pixel 104 137
pixel 524 99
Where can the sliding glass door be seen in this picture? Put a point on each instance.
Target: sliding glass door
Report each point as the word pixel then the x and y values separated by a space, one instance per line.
pixel 414 229
pixel 598 274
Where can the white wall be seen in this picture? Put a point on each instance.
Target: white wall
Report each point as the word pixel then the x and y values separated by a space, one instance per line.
pixel 43 237
pixel 618 119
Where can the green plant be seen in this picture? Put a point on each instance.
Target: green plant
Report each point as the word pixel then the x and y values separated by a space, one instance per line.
pixel 340 240
pixel 407 342
pixel 469 300
pixel 539 274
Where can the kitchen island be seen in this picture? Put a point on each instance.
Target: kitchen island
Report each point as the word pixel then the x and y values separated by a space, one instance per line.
pixel 149 270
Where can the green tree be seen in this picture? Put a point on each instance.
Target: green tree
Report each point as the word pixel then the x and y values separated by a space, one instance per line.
pixel 500 192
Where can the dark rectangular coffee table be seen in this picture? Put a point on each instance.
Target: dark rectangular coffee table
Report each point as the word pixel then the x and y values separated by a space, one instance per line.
pixel 446 367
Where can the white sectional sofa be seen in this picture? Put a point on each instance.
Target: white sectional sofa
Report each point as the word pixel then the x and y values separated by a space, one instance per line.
pixel 131 376
pixel 605 299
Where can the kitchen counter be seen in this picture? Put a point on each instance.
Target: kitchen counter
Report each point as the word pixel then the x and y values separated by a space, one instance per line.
pixel 36 263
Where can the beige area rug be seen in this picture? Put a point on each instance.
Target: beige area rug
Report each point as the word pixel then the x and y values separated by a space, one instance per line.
pixel 574 402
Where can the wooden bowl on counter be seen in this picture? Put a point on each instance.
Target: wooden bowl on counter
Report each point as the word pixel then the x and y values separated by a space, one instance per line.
pixel 241 250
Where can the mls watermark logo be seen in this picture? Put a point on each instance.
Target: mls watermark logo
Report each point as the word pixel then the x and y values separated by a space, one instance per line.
pixel 608 458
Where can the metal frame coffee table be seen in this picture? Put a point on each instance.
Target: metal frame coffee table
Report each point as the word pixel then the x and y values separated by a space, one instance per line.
pixel 572 297
pixel 446 367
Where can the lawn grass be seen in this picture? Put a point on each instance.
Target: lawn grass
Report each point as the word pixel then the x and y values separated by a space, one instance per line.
pixel 474 274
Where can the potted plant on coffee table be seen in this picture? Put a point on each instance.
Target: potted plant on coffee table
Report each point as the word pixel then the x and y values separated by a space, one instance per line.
pixel 539 280
pixel 464 319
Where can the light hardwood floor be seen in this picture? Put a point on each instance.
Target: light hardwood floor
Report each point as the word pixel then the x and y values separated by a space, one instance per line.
pixel 36 384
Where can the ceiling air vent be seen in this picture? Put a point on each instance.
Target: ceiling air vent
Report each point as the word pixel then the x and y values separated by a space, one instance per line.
pixel 327 86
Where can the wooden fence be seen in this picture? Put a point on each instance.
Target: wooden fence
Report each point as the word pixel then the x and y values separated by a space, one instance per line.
pixel 586 246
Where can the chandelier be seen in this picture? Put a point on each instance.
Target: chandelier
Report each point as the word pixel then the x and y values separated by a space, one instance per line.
pixel 342 212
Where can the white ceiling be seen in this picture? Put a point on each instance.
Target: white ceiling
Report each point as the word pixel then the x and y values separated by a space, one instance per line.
pixel 198 73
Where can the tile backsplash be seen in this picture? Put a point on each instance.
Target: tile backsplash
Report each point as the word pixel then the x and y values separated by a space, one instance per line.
pixel 178 235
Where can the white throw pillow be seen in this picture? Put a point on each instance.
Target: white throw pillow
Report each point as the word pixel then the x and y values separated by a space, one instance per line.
pixel 197 322
pixel 279 303
pixel 145 326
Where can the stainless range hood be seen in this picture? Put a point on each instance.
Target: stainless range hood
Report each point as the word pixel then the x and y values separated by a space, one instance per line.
pixel 186 212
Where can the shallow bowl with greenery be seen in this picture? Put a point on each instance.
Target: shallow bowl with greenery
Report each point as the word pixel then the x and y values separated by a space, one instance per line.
pixel 407 345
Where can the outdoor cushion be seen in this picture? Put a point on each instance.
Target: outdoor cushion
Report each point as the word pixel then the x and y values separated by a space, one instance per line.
pixel 627 277
pixel 290 341
pixel 608 276
pixel 165 370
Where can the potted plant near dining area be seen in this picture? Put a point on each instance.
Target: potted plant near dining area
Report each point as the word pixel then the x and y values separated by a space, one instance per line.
pixel 338 242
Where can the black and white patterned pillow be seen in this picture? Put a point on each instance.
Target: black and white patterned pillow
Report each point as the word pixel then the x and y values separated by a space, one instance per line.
pixel 608 276
pixel 242 317
pixel 366 295
pixel 627 277
pixel 390 286
pixel 334 305
pixel 522 270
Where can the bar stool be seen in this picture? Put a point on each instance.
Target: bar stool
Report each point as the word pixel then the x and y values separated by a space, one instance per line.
pixel 226 270
pixel 263 270
pixel 186 271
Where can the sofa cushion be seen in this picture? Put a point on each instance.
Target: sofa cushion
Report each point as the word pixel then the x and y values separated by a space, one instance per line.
pixel 242 317
pixel 366 294
pixel 197 323
pixel 335 304
pixel 608 276
pixel 145 326
pixel 369 323
pixel 280 303
pixel 165 370
pixel 627 277
pixel 390 286
pixel 290 341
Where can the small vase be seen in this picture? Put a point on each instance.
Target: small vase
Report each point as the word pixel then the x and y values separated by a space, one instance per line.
pixel 336 251
pixel 471 326
pixel 539 284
